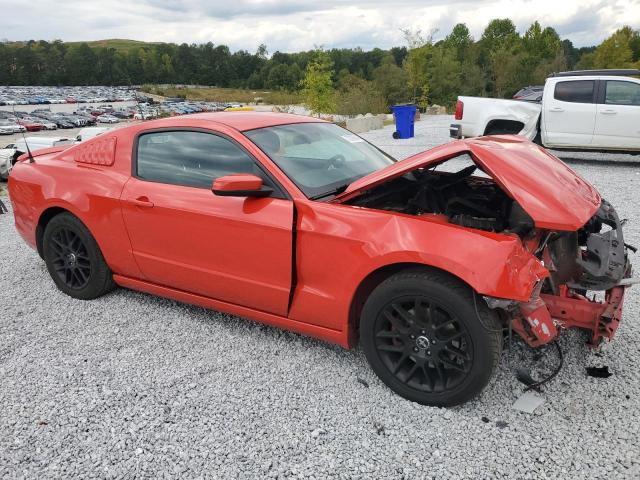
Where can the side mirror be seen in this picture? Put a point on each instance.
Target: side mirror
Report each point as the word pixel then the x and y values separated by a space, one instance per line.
pixel 240 185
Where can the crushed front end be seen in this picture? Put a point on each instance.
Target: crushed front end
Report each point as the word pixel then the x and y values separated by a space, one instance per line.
pixel 509 186
pixel 591 262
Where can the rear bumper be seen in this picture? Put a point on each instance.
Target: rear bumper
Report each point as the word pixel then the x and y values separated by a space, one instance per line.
pixel 455 131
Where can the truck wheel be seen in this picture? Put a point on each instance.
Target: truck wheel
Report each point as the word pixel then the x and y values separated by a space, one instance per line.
pixel 74 259
pixel 421 334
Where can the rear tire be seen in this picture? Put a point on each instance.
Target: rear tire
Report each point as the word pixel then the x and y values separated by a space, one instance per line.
pixel 74 259
pixel 422 336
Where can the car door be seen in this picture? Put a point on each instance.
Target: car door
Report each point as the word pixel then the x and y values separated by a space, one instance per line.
pixel 234 249
pixel 569 113
pixel 618 116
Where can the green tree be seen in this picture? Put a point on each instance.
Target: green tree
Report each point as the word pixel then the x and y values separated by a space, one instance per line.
pixel 500 33
pixel 391 81
pixel 445 80
pixel 541 44
pixel 278 78
pixel 506 68
pixel 80 65
pixel 460 40
pixel 415 65
pixel 357 95
pixel 616 51
pixel 501 58
pixel 317 85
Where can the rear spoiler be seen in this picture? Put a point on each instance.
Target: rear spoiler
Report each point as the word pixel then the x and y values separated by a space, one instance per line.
pixel 45 151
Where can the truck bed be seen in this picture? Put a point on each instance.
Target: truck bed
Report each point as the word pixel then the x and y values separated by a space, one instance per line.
pixel 483 116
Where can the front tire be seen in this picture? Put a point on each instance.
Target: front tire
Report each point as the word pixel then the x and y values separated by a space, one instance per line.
pixel 74 259
pixel 421 334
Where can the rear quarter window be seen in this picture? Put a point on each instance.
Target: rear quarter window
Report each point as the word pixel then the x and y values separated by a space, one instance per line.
pixel 575 91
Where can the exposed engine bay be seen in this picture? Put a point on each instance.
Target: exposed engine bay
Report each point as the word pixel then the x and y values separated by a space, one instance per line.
pixel 466 200
pixel 593 258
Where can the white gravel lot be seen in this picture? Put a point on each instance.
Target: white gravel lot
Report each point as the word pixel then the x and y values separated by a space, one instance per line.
pixel 132 386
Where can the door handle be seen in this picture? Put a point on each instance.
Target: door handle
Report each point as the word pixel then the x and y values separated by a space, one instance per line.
pixel 556 109
pixel 140 202
pixel 608 112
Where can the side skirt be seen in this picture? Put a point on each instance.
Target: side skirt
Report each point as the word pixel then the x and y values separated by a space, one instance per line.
pixel 326 334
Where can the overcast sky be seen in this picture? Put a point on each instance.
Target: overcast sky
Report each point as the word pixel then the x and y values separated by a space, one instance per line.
pixel 293 25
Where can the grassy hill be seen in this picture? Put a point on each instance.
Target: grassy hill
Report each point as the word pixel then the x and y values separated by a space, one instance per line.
pixel 120 44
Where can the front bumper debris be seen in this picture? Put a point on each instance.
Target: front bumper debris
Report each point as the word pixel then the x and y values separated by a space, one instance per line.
pixel 541 319
pixel 591 259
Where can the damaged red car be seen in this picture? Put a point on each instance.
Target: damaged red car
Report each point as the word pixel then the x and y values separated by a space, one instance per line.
pixel 300 224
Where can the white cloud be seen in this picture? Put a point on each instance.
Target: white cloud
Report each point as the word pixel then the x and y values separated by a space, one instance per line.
pixel 293 25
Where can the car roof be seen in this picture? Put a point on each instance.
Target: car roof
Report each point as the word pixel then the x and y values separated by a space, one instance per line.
pixel 249 120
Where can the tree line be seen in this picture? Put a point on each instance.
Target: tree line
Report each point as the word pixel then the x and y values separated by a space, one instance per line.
pixel 497 64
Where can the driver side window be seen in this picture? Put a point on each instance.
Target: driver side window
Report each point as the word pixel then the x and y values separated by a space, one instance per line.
pixel 191 159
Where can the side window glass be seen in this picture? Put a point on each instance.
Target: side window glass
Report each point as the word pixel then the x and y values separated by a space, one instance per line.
pixel 192 159
pixel 622 93
pixel 575 91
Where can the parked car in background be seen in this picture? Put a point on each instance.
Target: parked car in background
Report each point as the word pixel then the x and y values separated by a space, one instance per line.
pixel 105 118
pixel 530 94
pixel 46 124
pixel 30 125
pixel 298 223
pixel 89 132
pixel 11 126
pixel 598 109
pixel 61 121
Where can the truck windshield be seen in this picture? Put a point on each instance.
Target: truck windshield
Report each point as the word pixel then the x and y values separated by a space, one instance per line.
pixel 322 159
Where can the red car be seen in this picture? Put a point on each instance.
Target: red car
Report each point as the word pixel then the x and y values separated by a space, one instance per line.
pixel 30 125
pixel 298 223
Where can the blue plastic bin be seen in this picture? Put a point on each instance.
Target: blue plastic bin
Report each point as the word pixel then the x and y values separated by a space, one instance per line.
pixel 405 117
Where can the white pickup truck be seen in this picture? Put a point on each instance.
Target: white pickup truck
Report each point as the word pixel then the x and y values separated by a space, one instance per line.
pixel 588 109
pixel 10 153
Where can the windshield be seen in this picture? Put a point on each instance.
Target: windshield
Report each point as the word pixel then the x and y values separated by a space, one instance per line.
pixel 322 159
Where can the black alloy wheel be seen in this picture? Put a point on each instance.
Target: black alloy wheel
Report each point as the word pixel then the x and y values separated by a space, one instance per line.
pixel 423 345
pixel 74 259
pixel 428 337
pixel 71 259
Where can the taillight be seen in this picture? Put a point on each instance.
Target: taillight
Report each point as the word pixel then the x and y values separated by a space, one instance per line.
pixel 459 109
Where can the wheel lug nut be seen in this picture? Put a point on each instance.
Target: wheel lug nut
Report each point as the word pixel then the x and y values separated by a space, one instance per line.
pixel 423 332
pixel 433 341
pixel 428 352
pixel 412 337
pixel 416 349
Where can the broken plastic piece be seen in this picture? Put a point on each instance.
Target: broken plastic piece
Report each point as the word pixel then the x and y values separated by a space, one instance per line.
pixel 528 402
pixel 3 208
pixel 599 372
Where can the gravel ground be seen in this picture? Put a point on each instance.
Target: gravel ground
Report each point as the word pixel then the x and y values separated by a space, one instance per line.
pixel 131 385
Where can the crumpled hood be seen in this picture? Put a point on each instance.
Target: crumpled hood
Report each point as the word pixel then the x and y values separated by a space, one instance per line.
pixel 555 196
